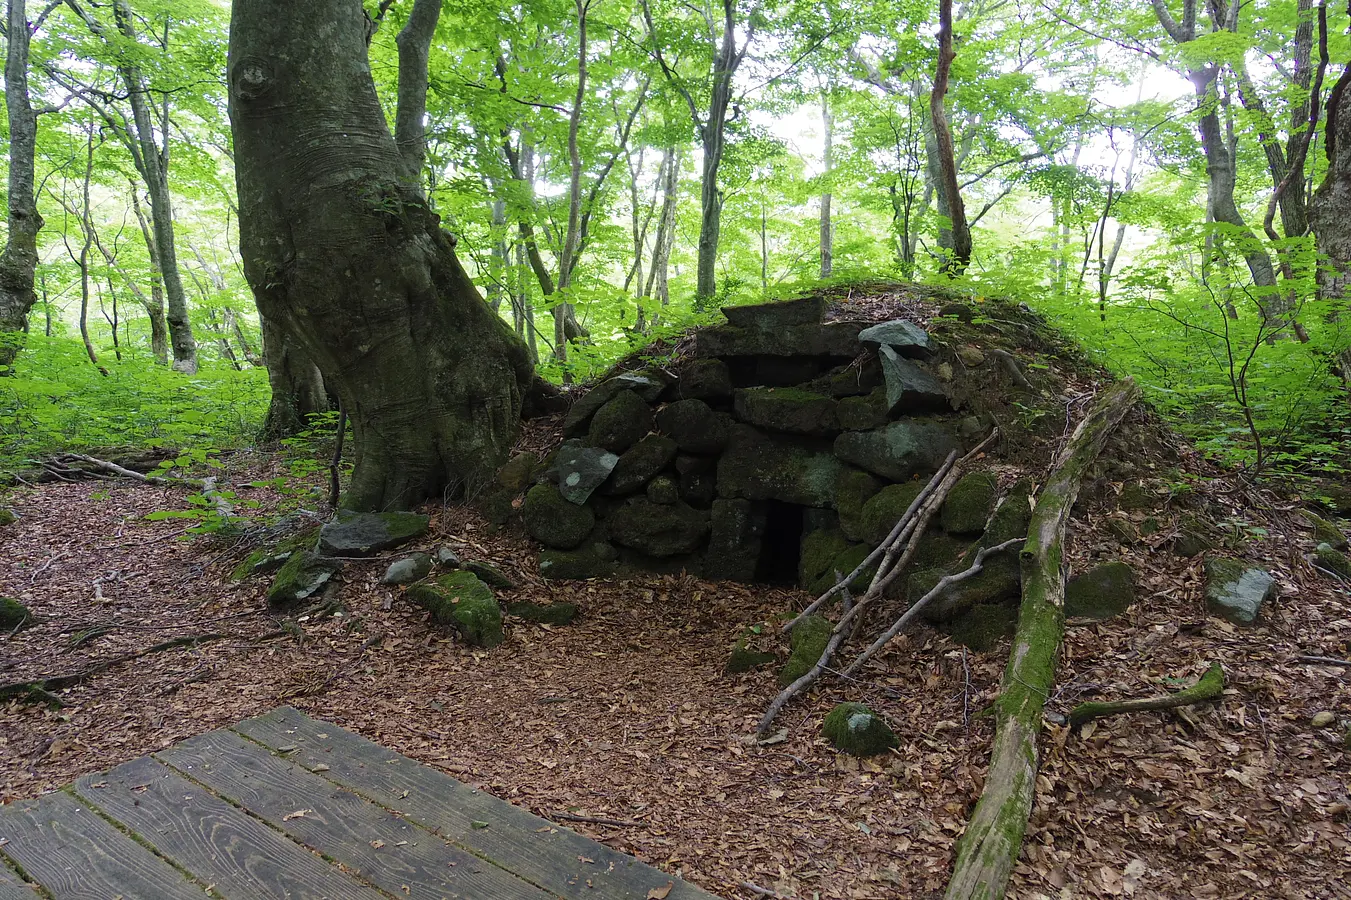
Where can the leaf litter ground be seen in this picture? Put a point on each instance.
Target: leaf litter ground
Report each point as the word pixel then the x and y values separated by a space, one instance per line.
pixel 627 716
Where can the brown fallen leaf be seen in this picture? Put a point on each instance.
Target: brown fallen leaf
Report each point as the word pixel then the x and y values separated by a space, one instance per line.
pixel 660 893
pixel 298 814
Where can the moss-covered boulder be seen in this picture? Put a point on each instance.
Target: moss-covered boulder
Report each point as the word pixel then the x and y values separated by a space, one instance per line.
pixel 553 521
pixel 743 659
pixel 7 516
pixel 864 412
pixel 517 473
pixel 1103 592
pixel 13 615
pixel 789 409
pixel 578 470
pixel 885 508
pixel 704 379
pixel 778 313
pixel 736 532
pixel 647 384
pixel 853 489
pixel 1139 495
pixel 621 423
pixel 408 570
pixel 460 601
pixel 910 388
pixel 984 625
pixel 901 450
pixel 969 504
pixel 594 559
pixel 808 641
pixel 857 730
pixel 1333 560
pixel 698 489
pixel 361 534
pixel 694 426
pixel 938 550
pixel 999 581
pixel 1235 591
pixel 844 562
pixel 489 574
pixel 819 550
pixel 838 339
pixel 544 613
pixel 1325 532
pixel 303 576
pixel 663 490
pixel 273 557
pixel 640 464
pixel 758 466
pixel 1195 536
pixel 658 529
pixel 1011 518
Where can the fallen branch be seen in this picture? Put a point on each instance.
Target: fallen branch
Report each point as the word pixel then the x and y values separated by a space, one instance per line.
pixel 1014 370
pixel 934 593
pixel 123 472
pixel 1325 661
pixel 993 840
pixel 1209 688
pixel 832 646
pixel 594 820
pixel 44 686
pixel 764 892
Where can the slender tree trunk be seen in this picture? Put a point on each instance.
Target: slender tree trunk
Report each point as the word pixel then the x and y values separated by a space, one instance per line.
pixel 950 191
pixel 564 311
pixel 153 163
pixel 665 238
pixel 154 306
pixel 764 246
pixel 498 262
pixel 414 44
pixel 18 263
pixel 827 232
pixel 87 244
pixel 346 258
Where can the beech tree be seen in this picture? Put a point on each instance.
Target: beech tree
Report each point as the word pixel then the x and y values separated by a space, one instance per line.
pixel 345 257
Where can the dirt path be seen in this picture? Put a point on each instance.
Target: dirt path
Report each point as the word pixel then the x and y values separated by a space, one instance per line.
pixel 627 715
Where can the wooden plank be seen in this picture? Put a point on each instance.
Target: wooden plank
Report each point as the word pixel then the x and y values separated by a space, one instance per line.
pixel 238 855
pixel 77 855
pixel 12 887
pixel 391 853
pixel 557 859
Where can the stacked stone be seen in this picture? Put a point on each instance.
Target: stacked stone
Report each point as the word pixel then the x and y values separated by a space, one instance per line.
pixel 666 472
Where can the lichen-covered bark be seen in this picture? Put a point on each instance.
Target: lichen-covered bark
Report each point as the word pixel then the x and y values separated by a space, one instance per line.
pixel 19 261
pixel 990 846
pixel 345 257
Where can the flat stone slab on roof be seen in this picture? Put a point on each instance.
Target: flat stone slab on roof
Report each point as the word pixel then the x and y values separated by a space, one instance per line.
pixel 288 806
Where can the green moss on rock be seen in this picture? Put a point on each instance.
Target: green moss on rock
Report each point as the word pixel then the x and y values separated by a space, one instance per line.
pixel 1333 560
pixel 7 516
pixel 1325 532
pixel 620 423
pixel 304 575
pixel 658 529
pixel 853 489
pixel 881 513
pixel 489 574
pixel 1103 592
pixel 808 641
pixel 857 730
pixel 982 626
pixel 459 600
pixel 518 472
pixel 361 534
pixel 743 659
pixel 844 562
pixel 819 550
pixel 13 615
pixel 273 557
pixel 1012 517
pixel 864 413
pixel 553 521
pixel 591 560
pixel 640 464
pixel 969 504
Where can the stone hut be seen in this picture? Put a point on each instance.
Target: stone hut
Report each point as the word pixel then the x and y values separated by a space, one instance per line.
pixel 780 451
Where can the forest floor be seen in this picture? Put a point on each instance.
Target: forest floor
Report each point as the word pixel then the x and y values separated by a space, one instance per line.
pixel 627 715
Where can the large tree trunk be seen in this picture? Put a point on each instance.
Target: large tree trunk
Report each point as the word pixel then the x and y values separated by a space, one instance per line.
pixel 990 846
pixel 346 258
pixel 949 189
pixel 18 263
pixel 153 163
pixel 297 385
pixel 1330 211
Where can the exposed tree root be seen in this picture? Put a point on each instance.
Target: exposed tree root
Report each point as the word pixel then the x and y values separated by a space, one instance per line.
pixel 1209 688
pixel 990 846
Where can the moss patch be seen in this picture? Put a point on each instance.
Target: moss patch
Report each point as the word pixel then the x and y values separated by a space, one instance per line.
pixel 882 512
pixel 846 561
pixel 1101 593
pixel 7 516
pixel 857 730
pixel 1325 532
pixel 853 489
pixel 1333 560
pixel 14 615
pixel 808 641
pixel 819 549
pixel 518 472
pixel 304 575
pixel 553 521
pixel 983 625
pixel 744 659
pixel 462 602
pixel 969 504
pixel 274 556
pixel 544 613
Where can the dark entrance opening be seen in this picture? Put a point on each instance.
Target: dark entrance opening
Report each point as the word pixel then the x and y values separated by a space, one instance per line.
pixel 781 546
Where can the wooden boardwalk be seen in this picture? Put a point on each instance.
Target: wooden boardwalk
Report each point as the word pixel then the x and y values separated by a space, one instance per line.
pixel 287 806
